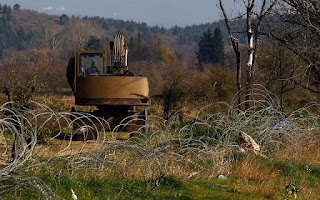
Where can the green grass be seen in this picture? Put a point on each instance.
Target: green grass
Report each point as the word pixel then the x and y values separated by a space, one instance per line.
pixel 300 172
pixel 305 177
pixel 170 188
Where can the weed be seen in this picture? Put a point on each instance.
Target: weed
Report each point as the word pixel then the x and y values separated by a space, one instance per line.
pixel 170 181
pixel 292 190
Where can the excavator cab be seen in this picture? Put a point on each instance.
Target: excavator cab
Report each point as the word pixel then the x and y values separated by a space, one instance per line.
pixel 105 81
pixel 91 64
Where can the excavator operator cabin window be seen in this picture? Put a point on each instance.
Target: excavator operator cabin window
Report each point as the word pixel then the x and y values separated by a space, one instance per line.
pixel 91 64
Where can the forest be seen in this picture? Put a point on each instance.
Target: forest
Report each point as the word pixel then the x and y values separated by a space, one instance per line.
pixel 234 108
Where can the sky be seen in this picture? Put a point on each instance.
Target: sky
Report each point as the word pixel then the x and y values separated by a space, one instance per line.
pixel 166 13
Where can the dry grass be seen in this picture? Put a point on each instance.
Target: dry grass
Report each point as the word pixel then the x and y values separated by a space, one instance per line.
pixel 309 193
pixel 254 169
pixel 257 176
pixel 61 102
pixel 308 153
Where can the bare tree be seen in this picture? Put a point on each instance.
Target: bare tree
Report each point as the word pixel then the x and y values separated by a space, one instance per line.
pixel 235 45
pixel 51 38
pixel 298 28
pixel 77 33
pixel 276 64
pixel 256 12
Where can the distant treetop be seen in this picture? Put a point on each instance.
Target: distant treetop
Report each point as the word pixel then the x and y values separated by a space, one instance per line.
pixel 211 48
pixel 16 7
pixel 64 19
pixel 5 9
pixel 94 43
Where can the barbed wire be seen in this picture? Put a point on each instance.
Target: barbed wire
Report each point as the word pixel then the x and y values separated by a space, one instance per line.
pixel 204 145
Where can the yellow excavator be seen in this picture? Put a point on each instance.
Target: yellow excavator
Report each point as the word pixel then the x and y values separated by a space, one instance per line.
pixel 102 79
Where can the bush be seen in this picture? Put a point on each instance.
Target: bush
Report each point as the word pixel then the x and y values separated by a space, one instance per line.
pixel 21 92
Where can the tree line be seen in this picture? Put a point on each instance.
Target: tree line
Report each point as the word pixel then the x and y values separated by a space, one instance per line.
pixel 186 35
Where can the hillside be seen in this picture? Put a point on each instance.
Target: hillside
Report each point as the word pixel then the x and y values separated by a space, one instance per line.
pixel 182 40
pixel 33 21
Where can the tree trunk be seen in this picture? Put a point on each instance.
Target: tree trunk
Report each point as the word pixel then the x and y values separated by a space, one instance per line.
pixel 251 52
pixel 235 45
pixel 238 54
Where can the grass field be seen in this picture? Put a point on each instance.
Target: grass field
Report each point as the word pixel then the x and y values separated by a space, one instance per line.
pixel 171 160
pixel 268 181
